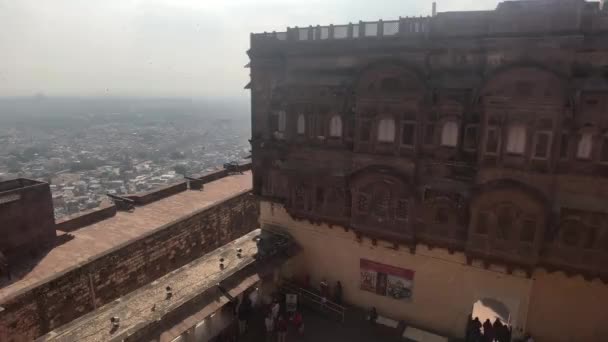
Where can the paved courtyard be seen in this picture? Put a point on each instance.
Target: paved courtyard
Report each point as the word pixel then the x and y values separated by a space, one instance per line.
pixel 321 328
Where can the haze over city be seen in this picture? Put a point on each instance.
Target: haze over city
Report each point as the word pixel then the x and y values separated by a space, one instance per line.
pixel 184 48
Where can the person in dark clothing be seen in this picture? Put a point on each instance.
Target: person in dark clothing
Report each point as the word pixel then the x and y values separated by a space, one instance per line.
pixel 244 312
pixel 505 334
pixel 338 293
pixel 373 315
pixel 498 331
pixel 282 328
pixel 488 331
pixel 475 333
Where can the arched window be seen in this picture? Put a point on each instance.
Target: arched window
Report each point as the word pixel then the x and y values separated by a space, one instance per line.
pixel 386 130
pixel 449 134
pixel 570 235
pixel 585 144
pixel 516 139
pixel 335 126
pixel 301 124
pixel 282 122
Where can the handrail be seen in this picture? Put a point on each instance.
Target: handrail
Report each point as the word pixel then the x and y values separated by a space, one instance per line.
pixel 315 298
pixel 417 26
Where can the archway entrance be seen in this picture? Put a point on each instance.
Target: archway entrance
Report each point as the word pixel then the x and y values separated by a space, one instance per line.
pixel 490 308
pixel 490 320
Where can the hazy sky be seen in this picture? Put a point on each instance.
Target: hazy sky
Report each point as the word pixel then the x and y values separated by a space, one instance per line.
pixel 161 47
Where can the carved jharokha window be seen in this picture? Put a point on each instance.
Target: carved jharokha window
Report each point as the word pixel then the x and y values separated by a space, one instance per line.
pixel 320 199
pixel 429 134
pixel 516 139
pixel 470 137
pixel 564 145
pixel 402 209
pixel 301 124
pixel 585 144
pixel 492 140
pixel 380 205
pixel 441 215
pixel 408 133
pixel 300 197
pixel 386 130
pixel 335 126
pixel 449 134
pixel 483 219
pixel 363 203
pixel 569 232
pixel 542 145
pixel 528 230
pixel 282 121
pixel 365 130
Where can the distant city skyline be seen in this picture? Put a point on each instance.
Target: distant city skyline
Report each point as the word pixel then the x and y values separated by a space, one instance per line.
pixel 168 48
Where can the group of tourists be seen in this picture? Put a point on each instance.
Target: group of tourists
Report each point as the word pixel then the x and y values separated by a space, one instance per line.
pixel 488 331
pixel 278 321
pixel 327 293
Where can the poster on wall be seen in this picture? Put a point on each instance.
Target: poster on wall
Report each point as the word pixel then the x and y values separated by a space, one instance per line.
pixel 386 280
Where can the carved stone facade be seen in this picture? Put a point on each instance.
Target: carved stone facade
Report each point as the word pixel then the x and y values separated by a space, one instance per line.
pixel 494 142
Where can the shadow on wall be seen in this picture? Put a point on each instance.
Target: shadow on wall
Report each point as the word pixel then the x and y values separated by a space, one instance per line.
pixel 18 271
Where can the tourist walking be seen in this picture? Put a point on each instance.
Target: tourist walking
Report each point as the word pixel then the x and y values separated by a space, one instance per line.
pixel 497 329
pixel 244 313
pixel 372 316
pixel 282 328
pixel 474 330
pixel 269 323
pixel 275 309
pixel 488 331
pixel 338 293
pixel 298 322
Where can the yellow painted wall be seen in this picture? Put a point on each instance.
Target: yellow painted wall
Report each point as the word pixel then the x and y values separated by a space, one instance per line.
pixel 568 309
pixel 444 289
pixel 560 309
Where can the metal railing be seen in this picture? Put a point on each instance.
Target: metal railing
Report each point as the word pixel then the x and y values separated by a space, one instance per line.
pixel 313 299
pixel 415 26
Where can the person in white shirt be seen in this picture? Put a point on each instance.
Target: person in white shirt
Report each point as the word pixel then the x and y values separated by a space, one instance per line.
pixel 269 322
pixel 253 297
pixel 275 310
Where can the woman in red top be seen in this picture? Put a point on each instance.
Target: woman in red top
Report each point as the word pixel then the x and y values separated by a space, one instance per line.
pixel 298 322
pixel 282 328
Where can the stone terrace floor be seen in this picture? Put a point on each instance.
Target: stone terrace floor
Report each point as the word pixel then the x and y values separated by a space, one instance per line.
pixel 87 242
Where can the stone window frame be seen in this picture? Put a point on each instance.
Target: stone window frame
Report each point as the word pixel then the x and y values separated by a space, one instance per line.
pixel 444 126
pixel 487 224
pixel 585 132
pixel 522 228
pixel 361 124
pixel 509 143
pixel 386 120
pixel 336 127
pixel 414 133
pixel 564 153
pixel 466 134
pixel 498 142
pixel 549 145
pixel 301 124
pixel 433 140
pixel 402 203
